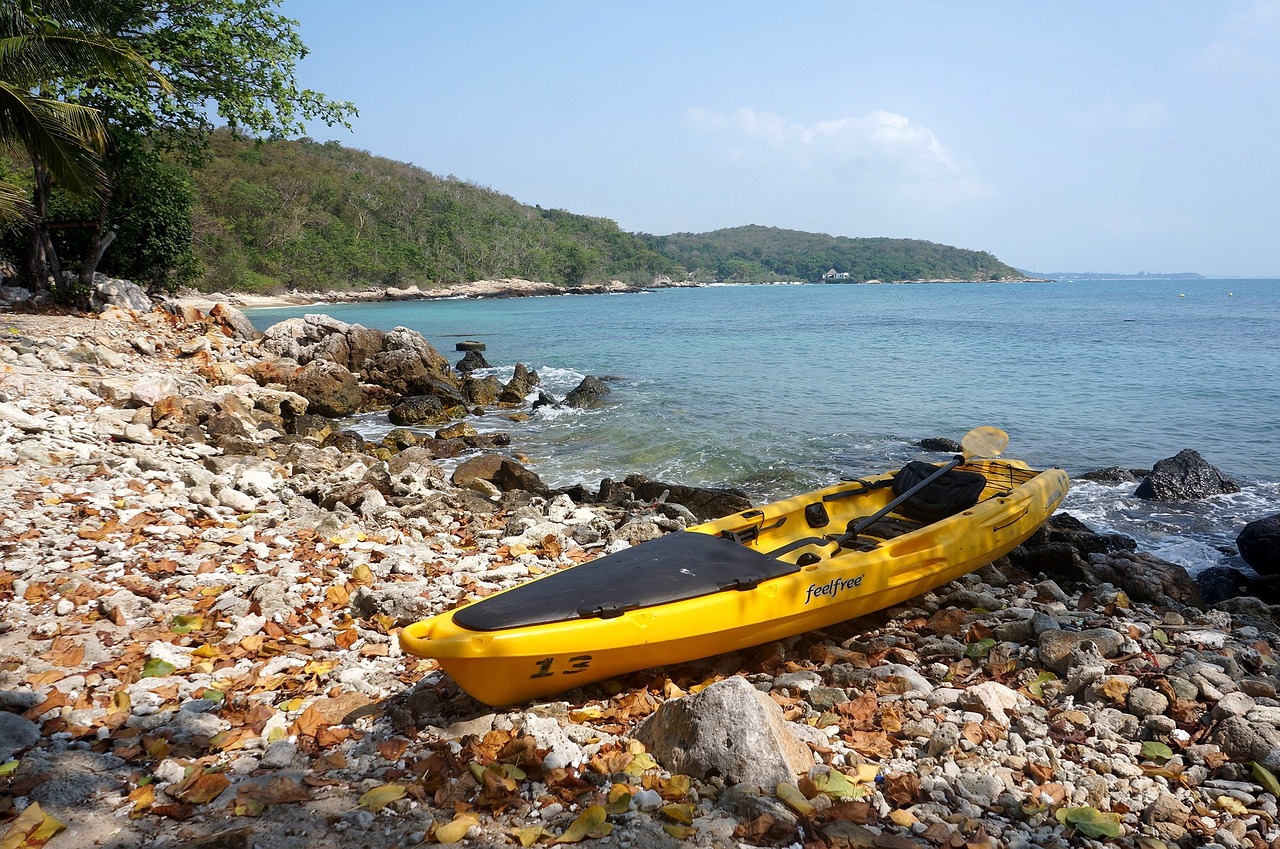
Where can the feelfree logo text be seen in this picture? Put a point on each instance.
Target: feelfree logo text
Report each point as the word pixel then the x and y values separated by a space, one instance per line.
pixel 831 588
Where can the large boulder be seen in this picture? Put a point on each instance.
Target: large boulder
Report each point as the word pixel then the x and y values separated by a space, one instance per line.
pixel 589 393
pixel 1148 578
pixel 483 391
pixel 730 729
pixel 1184 477
pixel 400 360
pixel 329 388
pixel 108 292
pixel 233 323
pixel 407 364
pixel 501 471
pixel 1259 545
pixel 418 410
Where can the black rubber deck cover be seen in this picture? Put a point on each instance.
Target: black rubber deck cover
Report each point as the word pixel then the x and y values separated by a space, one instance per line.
pixel 671 568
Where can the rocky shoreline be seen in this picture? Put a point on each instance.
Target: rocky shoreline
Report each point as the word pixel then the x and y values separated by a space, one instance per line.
pixel 202 583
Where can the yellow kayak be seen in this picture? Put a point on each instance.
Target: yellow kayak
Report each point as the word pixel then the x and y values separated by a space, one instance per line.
pixel 763 574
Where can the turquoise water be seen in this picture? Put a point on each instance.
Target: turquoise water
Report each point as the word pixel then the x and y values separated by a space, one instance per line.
pixel 778 389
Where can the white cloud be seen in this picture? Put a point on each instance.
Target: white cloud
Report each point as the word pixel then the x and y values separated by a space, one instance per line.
pixel 880 153
pixel 1248 41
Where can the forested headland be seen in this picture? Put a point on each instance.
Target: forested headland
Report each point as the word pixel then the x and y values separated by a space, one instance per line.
pixel 300 214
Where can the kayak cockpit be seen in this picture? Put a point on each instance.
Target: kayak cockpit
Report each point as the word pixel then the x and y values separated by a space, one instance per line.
pixel 672 568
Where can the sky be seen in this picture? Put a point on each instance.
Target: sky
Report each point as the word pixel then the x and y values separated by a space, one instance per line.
pixel 1084 136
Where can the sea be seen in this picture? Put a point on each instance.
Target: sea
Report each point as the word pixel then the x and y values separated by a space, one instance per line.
pixel 779 389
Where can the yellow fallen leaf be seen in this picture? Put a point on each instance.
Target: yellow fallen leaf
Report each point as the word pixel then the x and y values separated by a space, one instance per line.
pixel 142 798
pixel 454 831
pixel 8 767
pixel 586 713
pixel 794 799
pixel 619 803
pixel 1231 805
pixel 32 829
pixel 682 812
pixel 680 832
pixel 381 796
pixel 902 818
pixel 200 789
pixel 640 764
pixel 528 836
pixel 590 823
pixel 865 774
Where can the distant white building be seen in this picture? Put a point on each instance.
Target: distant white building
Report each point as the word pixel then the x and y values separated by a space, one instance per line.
pixel 835 275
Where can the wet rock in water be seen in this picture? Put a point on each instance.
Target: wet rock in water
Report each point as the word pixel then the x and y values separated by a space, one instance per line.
pixel 1259 545
pixel 589 393
pixel 1114 474
pixel 469 345
pixel 522 382
pixel 481 391
pixel 730 729
pixel 941 444
pixel 704 502
pixel 471 361
pixel 418 410
pixel 330 389
pixel 545 399
pixel 1184 477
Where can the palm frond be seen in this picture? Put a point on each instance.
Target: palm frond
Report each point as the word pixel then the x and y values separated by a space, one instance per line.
pixel 15 203
pixel 65 137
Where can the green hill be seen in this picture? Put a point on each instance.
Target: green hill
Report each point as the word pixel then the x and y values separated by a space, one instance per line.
pixel 756 254
pixel 305 215
pixel 317 216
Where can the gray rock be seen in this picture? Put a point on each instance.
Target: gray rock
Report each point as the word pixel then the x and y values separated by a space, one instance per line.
pixel 1259 545
pixel 1245 741
pixel 589 393
pixel 330 389
pixel 108 292
pixel 16 734
pixel 1056 646
pixel 1184 477
pixel 992 699
pixel 1144 702
pixel 406 603
pixel 730 729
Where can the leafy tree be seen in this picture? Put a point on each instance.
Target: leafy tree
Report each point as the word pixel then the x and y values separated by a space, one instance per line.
pixel 237 57
pixel 63 140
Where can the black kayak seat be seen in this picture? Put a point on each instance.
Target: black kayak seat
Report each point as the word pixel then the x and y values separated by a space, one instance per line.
pixel 947 495
pixel 671 568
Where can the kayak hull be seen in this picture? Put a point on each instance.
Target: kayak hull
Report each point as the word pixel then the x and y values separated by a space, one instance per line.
pixel 507 665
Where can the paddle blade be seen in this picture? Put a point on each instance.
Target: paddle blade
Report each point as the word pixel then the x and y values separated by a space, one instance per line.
pixel 984 442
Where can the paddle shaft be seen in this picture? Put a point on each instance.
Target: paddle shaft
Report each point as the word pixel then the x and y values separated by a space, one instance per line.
pixel 853 532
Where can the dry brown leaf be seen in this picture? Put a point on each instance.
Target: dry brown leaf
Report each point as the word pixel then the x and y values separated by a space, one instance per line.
pixel 32 829
pixel 200 788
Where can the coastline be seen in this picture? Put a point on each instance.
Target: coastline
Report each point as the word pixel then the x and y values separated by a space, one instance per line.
pixel 199 612
pixel 502 288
